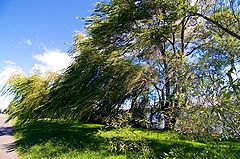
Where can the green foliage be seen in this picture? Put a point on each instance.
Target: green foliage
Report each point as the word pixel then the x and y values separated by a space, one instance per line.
pixel 88 91
pixel 207 152
pixel 150 34
pixel 214 108
pixel 136 59
pixel 125 140
pixel 29 94
pixel 72 140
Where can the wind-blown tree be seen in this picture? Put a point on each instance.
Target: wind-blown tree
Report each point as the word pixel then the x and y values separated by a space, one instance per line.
pixel 138 55
pixel 155 34
pixel 29 94
pixel 136 51
pixel 95 86
pixel 160 35
pixel 206 9
pixel 216 89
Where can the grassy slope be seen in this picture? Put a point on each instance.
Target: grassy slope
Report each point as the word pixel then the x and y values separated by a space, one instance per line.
pixel 69 140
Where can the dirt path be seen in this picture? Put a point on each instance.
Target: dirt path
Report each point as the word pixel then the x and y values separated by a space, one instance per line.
pixel 6 140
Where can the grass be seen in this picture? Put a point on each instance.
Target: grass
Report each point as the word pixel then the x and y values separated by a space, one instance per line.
pixel 72 140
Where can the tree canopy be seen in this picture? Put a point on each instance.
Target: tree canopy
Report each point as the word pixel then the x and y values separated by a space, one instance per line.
pixel 155 58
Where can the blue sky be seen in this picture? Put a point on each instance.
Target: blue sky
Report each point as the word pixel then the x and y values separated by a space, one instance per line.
pixel 34 33
pixel 28 25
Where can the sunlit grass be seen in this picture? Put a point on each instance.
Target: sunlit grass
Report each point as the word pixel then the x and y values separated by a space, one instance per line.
pixel 72 140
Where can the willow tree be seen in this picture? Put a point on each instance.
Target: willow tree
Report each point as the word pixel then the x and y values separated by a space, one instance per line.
pixel 29 93
pixel 216 88
pixel 161 35
pixel 135 55
pixel 88 91
pixel 156 34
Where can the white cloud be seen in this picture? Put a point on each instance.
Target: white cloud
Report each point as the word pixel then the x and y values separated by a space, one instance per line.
pixel 28 42
pixel 10 69
pixel 8 62
pixel 52 60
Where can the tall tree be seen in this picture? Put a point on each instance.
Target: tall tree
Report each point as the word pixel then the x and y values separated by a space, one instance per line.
pixel 156 34
pixel 95 86
pixel 140 55
pixel 217 85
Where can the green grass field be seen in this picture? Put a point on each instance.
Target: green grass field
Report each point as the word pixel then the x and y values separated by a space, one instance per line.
pixel 72 140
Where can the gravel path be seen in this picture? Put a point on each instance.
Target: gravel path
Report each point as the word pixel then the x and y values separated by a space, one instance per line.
pixel 6 140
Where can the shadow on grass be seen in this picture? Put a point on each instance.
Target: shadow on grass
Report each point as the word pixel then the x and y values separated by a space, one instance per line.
pixel 73 137
pixel 184 149
pixel 69 136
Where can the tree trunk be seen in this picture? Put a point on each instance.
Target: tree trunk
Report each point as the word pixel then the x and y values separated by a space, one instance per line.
pixel 170 122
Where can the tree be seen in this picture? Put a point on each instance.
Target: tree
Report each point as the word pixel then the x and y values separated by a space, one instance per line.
pixel 206 10
pixel 215 89
pixel 155 57
pixel 154 38
pixel 88 91
pixel 29 94
pixel 135 51
pixel 154 34
pixel 160 35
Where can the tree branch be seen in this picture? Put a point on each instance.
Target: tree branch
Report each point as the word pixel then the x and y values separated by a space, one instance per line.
pixel 217 24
